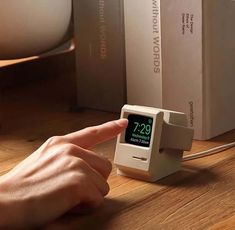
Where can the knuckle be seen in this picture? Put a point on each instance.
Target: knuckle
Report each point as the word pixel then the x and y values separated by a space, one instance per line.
pixel 81 164
pixel 74 164
pixel 106 189
pixel 69 163
pixel 93 131
pixel 70 149
pixel 67 150
pixel 107 166
pixel 55 140
pixel 73 178
pixel 77 182
pixel 82 181
pixel 79 178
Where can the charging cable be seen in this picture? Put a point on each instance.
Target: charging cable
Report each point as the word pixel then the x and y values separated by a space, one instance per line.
pixel 208 152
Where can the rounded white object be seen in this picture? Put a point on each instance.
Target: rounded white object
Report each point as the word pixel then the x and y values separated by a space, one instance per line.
pixel 31 27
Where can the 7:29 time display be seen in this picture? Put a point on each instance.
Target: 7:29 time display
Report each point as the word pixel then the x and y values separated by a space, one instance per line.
pixel 139 130
pixel 142 128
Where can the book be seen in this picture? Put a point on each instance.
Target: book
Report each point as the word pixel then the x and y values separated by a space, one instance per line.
pixel 100 55
pixel 198 59
pixel 172 54
pixel 143 52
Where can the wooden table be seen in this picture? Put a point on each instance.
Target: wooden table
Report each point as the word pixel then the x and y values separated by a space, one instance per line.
pixel 200 196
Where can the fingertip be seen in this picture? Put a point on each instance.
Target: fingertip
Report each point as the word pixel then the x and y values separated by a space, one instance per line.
pixel 123 122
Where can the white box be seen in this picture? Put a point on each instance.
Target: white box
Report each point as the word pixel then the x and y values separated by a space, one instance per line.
pixel 143 52
pixel 198 58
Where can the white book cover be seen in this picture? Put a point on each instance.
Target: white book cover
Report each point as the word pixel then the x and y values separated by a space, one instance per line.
pixel 219 66
pixel 198 56
pixel 143 52
pixel 181 23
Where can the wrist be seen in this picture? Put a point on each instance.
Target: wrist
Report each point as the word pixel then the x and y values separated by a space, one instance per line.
pixel 9 211
pixel 4 217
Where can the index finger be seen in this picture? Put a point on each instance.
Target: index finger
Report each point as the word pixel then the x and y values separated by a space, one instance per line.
pixel 91 136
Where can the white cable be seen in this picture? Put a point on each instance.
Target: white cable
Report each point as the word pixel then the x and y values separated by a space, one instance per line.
pixel 208 152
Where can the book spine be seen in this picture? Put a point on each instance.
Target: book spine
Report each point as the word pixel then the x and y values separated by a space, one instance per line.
pixel 100 61
pixel 182 60
pixel 143 52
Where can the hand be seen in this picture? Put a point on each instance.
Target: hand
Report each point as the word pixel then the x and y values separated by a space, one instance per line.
pixel 58 176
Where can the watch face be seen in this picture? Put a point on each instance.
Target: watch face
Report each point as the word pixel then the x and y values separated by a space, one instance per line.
pixel 139 130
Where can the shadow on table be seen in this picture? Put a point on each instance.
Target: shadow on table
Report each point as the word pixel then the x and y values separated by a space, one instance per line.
pixel 190 176
pixel 85 218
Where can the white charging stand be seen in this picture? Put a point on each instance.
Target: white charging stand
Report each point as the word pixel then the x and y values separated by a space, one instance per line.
pixel 163 150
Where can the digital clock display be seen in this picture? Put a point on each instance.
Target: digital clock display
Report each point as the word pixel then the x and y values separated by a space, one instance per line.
pixel 139 130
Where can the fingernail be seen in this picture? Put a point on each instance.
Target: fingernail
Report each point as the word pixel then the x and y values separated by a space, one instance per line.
pixel 122 122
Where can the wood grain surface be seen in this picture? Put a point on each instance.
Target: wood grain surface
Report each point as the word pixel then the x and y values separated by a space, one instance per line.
pixel 200 196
